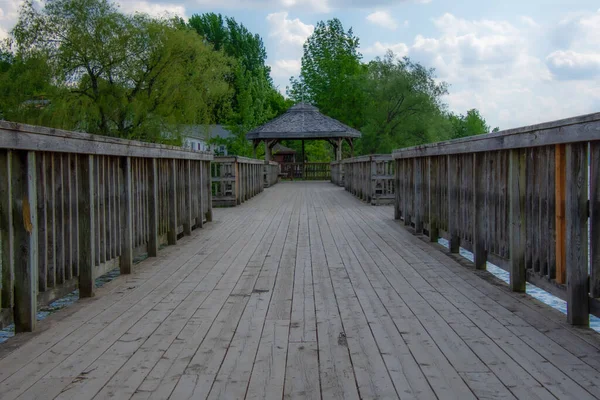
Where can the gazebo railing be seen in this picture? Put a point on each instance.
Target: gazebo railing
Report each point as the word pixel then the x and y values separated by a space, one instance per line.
pixel 370 178
pixel 235 180
pixel 314 171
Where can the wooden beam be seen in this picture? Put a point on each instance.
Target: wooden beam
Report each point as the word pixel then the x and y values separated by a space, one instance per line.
pixel 595 219
pixel 577 234
pixel 153 242
pixel 517 210
pixel 560 175
pixel 87 224
pixel 481 180
pixel 126 224
pixel 7 271
pixel 172 214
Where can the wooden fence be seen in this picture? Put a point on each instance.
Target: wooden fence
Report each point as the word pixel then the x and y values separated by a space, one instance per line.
pixel 235 180
pixel 522 199
pixel 370 178
pixel 316 171
pixel 271 173
pixel 337 173
pixel 74 206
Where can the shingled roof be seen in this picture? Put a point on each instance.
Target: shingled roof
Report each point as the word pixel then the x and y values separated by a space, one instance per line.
pixel 303 121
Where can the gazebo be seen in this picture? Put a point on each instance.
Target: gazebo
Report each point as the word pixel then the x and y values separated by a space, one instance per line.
pixel 303 122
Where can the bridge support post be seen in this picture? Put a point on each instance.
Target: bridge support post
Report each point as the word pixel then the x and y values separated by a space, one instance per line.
pixel 517 210
pixel 577 234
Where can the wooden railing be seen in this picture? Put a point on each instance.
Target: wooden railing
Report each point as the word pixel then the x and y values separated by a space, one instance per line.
pixel 337 173
pixel 314 171
pixel 271 173
pixel 74 206
pixel 236 179
pixel 370 178
pixel 522 199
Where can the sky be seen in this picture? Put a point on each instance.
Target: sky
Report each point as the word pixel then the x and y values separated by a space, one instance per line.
pixel 519 62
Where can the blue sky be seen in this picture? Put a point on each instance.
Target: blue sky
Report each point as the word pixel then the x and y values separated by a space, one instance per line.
pixel 518 62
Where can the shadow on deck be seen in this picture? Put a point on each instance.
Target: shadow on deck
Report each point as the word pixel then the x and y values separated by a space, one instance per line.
pixel 303 292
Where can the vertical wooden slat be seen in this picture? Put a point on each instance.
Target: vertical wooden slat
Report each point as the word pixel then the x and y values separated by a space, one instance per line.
pixel 560 224
pixel 153 208
pixel 595 219
pixel 201 193
pixel 453 203
pixel 418 190
pixel 42 222
pixel 517 201
pixel 24 186
pixel 67 216
pixel 551 220
pixel 187 203
pixel 87 224
pixel 172 182
pixel 208 195
pixel 433 187
pixel 543 231
pixel 480 208
pixel 51 222
pixel 109 209
pixel 6 230
pixel 98 235
pixel 60 222
pixel 577 233
pixel 529 187
pixel 126 220
pixel 75 202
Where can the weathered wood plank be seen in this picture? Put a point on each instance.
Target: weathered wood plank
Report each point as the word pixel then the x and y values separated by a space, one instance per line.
pixel 560 176
pixel 6 231
pixel 86 224
pixel 517 201
pixel 576 206
pixel 595 219
pixel 126 216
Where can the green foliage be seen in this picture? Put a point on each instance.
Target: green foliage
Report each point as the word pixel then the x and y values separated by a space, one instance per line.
pixel 105 72
pixel 255 100
pixel 468 125
pixel 331 73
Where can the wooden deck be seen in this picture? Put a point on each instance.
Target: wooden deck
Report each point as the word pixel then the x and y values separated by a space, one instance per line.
pixel 303 292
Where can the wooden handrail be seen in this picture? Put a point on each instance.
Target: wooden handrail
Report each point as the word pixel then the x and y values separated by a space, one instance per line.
pixel 74 206
pixel 370 178
pixel 518 198
pixel 236 179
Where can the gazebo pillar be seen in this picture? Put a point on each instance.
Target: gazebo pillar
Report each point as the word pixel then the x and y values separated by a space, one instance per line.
pixel 338 149
pixel 268 154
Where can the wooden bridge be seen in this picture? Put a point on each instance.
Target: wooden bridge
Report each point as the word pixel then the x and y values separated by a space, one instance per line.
pixel 302 290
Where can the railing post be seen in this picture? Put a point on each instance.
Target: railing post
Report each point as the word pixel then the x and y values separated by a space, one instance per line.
pixel 577 234
pixel 187 190
pixel 126 226
pixel 418 190
pixel 7 271
pixel 434 206
pixel 453 203
pixel 208 180
pixel 517 195
pixel 201 191
pixel 24 184
pixel 86 224
pixel 396 189
pixel 595 219
pixel 172 225
pixel 560 193
pixel 153 208
pixel 481 181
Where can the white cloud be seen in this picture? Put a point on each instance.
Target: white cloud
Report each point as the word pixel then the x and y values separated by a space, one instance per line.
pixel 288 31
pixel 383 19
pixel 379 49
pixel 574 65
pixel 152 8
pixel 285 68
pixel 9 13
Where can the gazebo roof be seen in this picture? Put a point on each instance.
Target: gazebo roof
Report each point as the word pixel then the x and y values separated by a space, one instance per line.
pixel 303 121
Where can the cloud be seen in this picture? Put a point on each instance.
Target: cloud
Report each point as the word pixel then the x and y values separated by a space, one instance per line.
pixel 288 31
pixel 379 49
pixel 152 8
pixel 9 13
pixel 285 68
pixel 573 65
pixel 383 19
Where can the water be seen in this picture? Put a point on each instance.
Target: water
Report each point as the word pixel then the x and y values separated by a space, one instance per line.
pixel 61 303
pixel 533 291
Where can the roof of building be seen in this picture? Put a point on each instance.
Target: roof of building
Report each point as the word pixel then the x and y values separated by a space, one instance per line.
pixel 303 121
pixel 279 149
pixel 205 132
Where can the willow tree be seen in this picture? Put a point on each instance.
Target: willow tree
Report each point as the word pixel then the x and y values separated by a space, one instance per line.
pixel 114 74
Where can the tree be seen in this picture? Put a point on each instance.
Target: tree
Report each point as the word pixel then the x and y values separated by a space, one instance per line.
pixel 403 105
pixel 468 125
pixel 331 73
pixel 130 76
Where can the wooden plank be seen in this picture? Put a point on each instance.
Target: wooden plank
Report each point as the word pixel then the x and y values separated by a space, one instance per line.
pixel 481 212
pixel 153 202
pixel 517 197
pixel 87 225
pixel 301 376
pixel 68 218
pixel 24 185
pixel 51 221
pixel 126 217
pixel 42 223
pixel 187 198
pixel 576 213
pixel 60 221
pixel 560 212
pixel 172 207
pixel 453 203
pixel 595 219
pixel 418 190
pixel 7 271
pixel 434 204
